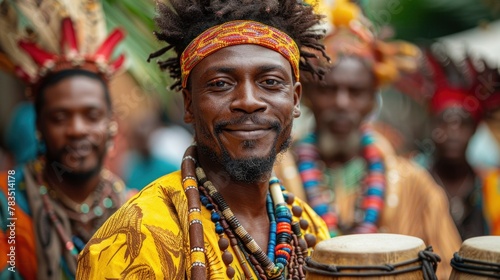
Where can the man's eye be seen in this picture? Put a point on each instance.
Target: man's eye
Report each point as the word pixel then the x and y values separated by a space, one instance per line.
pixel 274 83
pixel 94 114
pixel 271 82
pixel 58 117
pixel 217 83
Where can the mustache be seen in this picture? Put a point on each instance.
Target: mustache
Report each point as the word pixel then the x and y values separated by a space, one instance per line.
pixel 81 147
pixel 253 118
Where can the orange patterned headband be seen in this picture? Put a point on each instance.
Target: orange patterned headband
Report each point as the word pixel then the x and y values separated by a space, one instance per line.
pixel 237 33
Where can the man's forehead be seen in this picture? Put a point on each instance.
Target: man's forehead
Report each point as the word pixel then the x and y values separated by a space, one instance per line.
pixel 74 94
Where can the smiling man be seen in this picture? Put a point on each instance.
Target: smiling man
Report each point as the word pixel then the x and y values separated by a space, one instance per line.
pixel 223 216
pixel 57 202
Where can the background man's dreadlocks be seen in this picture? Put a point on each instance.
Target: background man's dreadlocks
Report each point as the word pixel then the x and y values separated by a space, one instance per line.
pixel 180 23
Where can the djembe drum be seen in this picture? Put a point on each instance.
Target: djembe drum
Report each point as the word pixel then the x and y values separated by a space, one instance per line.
pixel 478 258
pixel 372 256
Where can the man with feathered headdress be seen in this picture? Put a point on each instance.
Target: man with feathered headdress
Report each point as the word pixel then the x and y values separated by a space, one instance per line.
pixel 349 173
pixel 51 207
pixel 464 94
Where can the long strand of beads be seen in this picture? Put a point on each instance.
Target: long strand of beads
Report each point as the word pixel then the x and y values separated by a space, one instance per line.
pixel 196 237
pixel 234 244
pixel 223 243
pixel 284 220
pixel 271 246
pixel 374 184
pixel 68 244
pixel 373 200
pixel 272 269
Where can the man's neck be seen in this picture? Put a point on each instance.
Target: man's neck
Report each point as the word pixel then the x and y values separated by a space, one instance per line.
pixel 451 170
pixel 245 199
pixel 336 151
pixel 76 190
pixel 456 176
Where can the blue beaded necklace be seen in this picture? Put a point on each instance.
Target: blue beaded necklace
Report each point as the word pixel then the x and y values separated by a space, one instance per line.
pixel 280 228
pixel 374 183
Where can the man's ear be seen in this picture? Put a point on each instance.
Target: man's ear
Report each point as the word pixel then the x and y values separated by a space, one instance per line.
pixel 112 126
pixel 188 112
pixel 297 94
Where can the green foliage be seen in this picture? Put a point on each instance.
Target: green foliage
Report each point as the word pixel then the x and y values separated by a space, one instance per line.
pixel 416 20
pixel 136 17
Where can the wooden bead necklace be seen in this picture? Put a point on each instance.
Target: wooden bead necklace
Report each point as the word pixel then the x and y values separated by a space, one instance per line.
pixel 286 247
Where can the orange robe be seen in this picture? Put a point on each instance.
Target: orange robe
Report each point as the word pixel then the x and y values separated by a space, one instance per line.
pixel 491 201
pixel 39 253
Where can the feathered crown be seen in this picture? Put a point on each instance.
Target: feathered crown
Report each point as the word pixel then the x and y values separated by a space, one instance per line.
pixel 454 82
pixel 41 38
pixel 486 84
pixel 351 34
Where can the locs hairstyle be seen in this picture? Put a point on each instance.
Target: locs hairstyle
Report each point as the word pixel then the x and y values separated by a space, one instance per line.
pixel 180 21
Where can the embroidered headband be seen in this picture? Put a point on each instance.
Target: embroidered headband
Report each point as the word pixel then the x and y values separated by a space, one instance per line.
pixel 238 32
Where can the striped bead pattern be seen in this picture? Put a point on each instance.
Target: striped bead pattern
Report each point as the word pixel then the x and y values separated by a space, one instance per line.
pixel 374 183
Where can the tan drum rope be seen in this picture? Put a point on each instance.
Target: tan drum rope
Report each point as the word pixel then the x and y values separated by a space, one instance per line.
pixel 428 259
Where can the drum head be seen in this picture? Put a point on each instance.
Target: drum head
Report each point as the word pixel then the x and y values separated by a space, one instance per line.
pixel 478 258
pixel 368 250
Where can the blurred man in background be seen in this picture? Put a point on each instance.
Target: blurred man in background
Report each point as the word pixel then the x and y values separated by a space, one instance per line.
pixel 350 174
pixel 56 202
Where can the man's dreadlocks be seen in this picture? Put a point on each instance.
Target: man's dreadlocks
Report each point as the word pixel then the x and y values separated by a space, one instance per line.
pixel 180 21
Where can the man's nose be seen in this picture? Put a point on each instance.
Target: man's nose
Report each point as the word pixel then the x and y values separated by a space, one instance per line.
pixel 77 127
pixel 248 99
pixel 342 98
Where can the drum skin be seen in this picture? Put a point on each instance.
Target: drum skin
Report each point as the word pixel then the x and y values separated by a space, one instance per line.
pixel 482 248
pixel 368 249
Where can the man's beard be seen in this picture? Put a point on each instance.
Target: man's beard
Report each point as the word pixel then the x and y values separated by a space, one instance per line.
pixel 65 172
pixel 329 145
pixel 247 170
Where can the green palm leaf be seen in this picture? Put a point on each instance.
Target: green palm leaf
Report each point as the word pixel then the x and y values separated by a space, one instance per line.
pixel 415 20
pixel 136 17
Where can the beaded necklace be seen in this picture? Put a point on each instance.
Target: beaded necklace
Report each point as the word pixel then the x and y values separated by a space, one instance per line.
pixel 105 198
pixel 373 184
pixel 286 248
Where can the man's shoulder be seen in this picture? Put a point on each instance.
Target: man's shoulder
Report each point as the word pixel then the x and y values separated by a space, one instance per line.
pixel 162 188
pixel 150 205
pixel 317 225
pixel 413 178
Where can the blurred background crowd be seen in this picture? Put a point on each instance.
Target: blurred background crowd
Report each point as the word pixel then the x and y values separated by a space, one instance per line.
pixel 459 51
pixel 152 135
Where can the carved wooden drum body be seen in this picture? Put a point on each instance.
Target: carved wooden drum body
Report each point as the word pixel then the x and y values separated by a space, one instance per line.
pixel 372 256
pixel 478 258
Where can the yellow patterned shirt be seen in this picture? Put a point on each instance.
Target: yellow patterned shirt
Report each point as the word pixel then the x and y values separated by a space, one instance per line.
pixel 148 238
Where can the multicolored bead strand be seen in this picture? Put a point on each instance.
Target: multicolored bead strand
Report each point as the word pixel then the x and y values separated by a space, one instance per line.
pixel 274 270
pixel 83 224
pixel 373 183
pixel 284 221
pixel 271 246
pixel 248 241
pixel 373 200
